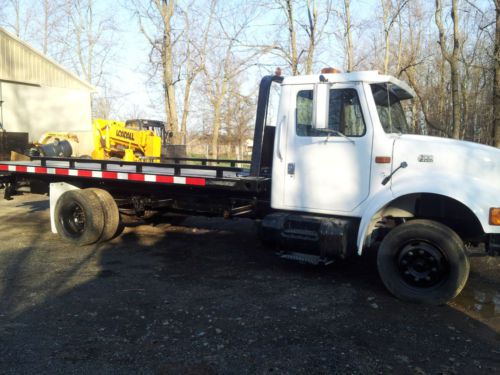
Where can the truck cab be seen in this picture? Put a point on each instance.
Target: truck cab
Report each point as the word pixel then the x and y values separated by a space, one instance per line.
pixel 348 171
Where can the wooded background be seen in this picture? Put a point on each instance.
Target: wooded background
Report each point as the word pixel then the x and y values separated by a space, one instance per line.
pixel 205 58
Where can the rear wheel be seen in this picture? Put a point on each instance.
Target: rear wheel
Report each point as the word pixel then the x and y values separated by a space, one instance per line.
pixel 111 214
pixel 79 217
pixel 423 261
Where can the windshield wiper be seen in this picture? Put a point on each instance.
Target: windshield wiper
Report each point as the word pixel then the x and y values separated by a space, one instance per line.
pixel 334 132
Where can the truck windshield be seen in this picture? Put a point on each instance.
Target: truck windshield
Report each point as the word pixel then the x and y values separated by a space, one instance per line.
pixel 389 109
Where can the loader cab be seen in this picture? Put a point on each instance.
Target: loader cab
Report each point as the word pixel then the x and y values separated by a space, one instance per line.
pixel 157 127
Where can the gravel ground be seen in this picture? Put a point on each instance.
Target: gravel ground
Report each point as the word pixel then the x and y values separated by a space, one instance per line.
pixel 202 296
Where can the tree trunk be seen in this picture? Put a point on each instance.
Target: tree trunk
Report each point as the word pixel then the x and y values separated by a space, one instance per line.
pixel 414 114
pixel 385 9
pixel 166 9
pixel 293 38
pixel 46 15
pixel 217 108
pixel 400 40
pixel 350 58
pixel 313 18
pixel 496 83
pixel 169 91
pixel 452 61
pixel 185 113
pixel 214 151
pixel 455 84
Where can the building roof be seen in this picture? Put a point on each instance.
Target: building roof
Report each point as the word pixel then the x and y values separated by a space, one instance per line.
pixel 19 62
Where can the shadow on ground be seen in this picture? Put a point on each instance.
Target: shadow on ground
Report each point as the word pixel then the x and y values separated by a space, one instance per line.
pixel 204 297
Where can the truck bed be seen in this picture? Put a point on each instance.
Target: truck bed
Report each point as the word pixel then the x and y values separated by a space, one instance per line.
pixel 182 171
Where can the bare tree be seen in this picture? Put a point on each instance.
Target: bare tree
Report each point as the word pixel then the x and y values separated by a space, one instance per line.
pixel 91 39
pixel 21 16
pixel 390 16
pixel 305 27
pixel 452 59
pixel 496 83
pixel 160 14
pixel 291 54
pixel 386 5
pixel 16 25
pixel 348 35
pixel 50 21
pixel 195 51
pixel 166 9
pixel 218 79
pixel 89 44
pixel 312 31
pixel 225 63
pixel 178 36
pixel 238 115
pixel 343 32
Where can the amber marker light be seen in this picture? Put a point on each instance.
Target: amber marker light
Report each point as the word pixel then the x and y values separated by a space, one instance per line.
pixel 382 159
pixel 495 216
pixel 330 71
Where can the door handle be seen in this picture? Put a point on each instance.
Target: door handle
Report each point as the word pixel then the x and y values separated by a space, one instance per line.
pixel 278 141
pixel 291 168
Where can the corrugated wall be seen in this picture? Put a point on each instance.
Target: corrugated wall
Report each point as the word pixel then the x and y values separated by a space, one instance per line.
pixel 20 63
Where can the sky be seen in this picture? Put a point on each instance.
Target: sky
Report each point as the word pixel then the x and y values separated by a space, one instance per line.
pixel 129 80
pixel 129 86
pixel 126 69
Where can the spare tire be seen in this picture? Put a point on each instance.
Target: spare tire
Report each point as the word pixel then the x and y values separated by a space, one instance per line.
pixel 79 217
pixel 111 214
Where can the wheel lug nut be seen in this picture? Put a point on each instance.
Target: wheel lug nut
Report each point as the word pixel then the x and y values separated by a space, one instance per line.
pixel 410 253
pixel 428 278
pixel 421 252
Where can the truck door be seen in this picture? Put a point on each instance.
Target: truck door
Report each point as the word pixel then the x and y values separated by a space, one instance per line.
pixel 327 165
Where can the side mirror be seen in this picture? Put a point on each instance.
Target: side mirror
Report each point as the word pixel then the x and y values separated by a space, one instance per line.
pixel 321 98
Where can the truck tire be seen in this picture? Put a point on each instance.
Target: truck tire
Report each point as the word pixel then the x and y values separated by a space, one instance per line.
pixel 111 214
pixel 79 217
pixel 423 261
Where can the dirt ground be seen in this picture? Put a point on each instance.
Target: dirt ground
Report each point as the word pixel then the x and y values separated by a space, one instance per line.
pixel 202 296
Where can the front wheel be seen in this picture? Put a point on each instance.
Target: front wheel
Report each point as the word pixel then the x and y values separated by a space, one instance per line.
pixel 423 261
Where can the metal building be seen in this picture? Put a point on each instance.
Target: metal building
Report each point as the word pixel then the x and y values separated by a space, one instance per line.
pixel 37 94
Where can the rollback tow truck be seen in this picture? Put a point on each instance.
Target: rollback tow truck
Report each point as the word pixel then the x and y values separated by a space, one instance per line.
pixel 335 172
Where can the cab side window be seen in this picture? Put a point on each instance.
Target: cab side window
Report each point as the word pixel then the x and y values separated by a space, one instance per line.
pixel 304 113
pixel 344 114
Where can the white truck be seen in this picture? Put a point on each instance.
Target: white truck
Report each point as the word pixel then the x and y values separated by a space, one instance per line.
pixel 337 173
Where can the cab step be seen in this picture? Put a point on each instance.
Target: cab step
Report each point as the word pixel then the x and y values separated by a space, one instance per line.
pixel 315 260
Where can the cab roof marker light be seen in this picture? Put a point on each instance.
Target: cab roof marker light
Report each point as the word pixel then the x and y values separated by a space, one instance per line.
pixel 330 70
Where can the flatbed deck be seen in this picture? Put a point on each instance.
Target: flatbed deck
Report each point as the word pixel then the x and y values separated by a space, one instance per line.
pixel 181 172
